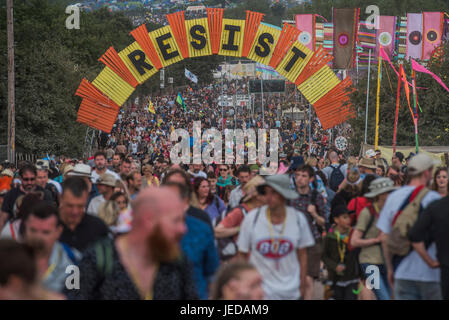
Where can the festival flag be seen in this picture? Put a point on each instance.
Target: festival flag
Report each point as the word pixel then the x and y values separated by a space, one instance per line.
pixel 433 23
pixel 345 34
pixel 402 37
pixel 306 24
pixel 151 107
pixel 414 36
pixel 189 75
pixel 367 41
pixel 419 68
pixel 386 34
pixel 180 101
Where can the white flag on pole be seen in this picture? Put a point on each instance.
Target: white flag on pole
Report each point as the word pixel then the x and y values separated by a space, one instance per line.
pixel 191 76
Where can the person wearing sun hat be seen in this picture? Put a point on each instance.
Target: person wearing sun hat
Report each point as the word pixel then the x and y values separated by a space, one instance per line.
pixel 367 236
pixel 367 166
pixel 275 238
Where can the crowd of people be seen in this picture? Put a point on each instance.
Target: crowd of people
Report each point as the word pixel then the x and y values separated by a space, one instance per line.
pixel 138 226
pixel 146 228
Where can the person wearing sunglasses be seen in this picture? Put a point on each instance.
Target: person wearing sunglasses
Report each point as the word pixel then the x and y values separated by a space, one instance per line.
pixel 27 174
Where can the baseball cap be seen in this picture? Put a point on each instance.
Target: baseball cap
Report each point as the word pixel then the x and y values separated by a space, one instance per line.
pixel 420 163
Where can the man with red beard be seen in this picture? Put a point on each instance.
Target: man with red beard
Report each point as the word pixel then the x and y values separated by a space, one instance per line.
pixel 145 263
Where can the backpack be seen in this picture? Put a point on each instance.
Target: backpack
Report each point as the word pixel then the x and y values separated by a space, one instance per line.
pixel 397 241
pixel 336 178
pixel 227 248
pixel 104 257
pixel 357 250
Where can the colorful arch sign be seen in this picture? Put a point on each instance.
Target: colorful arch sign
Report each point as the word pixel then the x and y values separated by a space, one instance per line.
pixel 181 39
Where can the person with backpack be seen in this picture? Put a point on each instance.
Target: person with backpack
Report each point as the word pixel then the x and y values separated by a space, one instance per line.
pixel 365 238
pixel 409 275
pixel 227 229
pixel 311 203
pixel 336 172
pixel 275 238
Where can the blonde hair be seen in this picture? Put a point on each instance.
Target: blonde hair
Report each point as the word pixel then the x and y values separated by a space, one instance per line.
pixel 351 162
pixel 312 161
pixel 109 212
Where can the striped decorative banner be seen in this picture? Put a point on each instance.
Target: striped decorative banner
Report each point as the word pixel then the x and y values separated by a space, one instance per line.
pixel 402 37
pixel 328 33
pixel 367 40
pixel 319 34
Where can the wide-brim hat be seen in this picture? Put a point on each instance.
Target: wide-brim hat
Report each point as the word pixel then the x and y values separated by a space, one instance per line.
pixel 367 163
pixel 280 183
pixel 81 170
pixel 379 186
pixel 107 180
pixel 8 172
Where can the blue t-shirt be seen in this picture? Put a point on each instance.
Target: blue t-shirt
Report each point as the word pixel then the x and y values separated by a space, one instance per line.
pixel 199 247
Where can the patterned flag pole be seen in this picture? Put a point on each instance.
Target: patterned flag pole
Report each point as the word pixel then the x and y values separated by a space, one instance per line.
pixel 367 95
pixel 379 76
pixel 415 116
pixel 398 96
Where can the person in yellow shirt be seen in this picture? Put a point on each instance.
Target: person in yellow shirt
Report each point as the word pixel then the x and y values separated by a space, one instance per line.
pixel 150 179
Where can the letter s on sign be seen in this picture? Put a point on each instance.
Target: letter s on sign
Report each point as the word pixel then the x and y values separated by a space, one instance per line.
pixel 372 21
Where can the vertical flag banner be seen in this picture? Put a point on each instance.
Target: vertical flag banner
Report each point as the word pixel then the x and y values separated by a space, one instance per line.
pixel 345 24
pixel 180 101
pixel 328 37
pixel 402 35
pixel 151 107
pixel 433 23
pixel 319 34
pixel 367 40
pixel 189 75
pixel 386 34
pixel 306 24
pixel 414 36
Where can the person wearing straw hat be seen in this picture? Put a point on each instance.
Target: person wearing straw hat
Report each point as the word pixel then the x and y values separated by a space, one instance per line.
pixel 228 228
pixel 274 238
pixel 367 237
pixel 105 184
pixel 367 166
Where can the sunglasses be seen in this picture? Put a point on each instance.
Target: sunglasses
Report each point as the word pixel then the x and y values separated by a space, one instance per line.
pixel 223 169
pixel 28 179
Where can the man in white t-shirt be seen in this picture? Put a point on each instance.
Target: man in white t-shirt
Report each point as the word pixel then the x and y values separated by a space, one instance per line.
pixel 274 238
pixel 100 167
pixel 412 279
